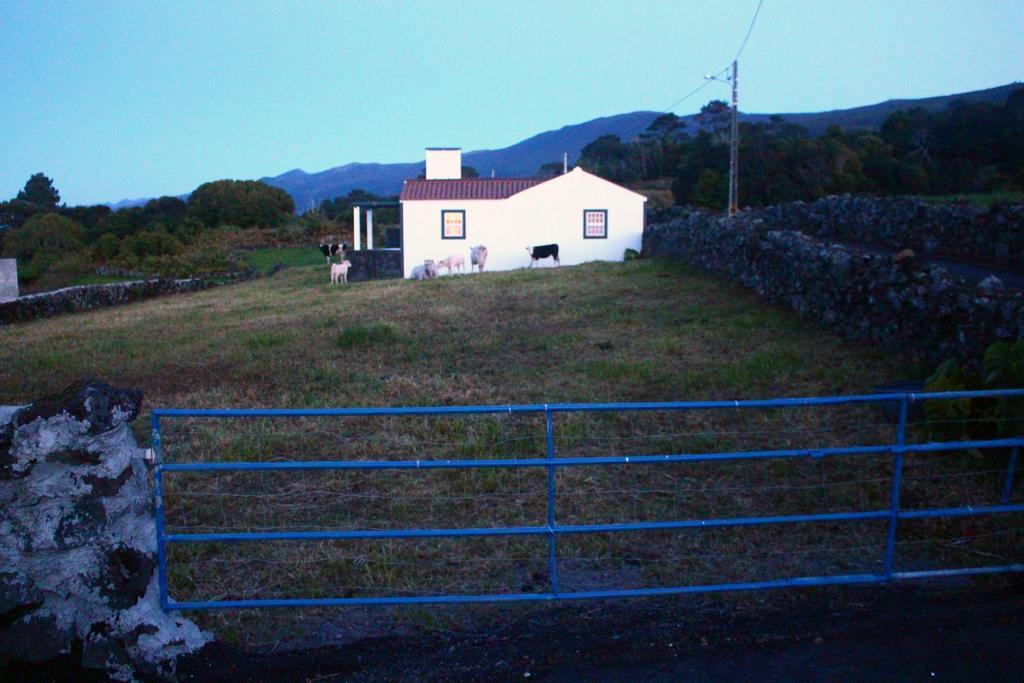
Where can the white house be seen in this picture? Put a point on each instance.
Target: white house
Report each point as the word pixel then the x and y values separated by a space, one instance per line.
pixel 589 218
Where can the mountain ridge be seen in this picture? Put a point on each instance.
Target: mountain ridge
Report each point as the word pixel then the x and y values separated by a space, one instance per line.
pixel 525 157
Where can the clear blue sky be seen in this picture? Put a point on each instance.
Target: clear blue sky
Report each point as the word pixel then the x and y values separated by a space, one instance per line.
pixel 126 99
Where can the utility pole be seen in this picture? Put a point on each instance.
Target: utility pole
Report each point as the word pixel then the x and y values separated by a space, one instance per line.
pixel 734 150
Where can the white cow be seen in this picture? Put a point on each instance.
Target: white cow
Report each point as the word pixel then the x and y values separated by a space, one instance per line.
pixel 478 257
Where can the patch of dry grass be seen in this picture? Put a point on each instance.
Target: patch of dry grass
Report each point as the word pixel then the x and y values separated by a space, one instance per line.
pixel 639 330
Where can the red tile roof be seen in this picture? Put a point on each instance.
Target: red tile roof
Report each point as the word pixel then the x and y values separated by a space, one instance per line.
pixel 471 188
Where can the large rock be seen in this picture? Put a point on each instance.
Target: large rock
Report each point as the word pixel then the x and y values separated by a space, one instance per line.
pixel 78 538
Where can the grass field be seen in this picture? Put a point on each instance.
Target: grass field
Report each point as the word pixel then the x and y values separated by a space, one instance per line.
pixel 262 260
pixel 636 331
pixel 633 331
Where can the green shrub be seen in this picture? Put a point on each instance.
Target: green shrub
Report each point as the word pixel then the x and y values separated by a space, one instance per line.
pixel 980 418
pixel 106 247
pixel 44 234
pixel 156 242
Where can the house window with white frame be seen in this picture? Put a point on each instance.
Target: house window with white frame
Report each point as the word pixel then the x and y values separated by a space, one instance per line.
pixel 595 224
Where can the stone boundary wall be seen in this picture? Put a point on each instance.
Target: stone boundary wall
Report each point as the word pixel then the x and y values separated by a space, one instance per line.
pixel 958 231
pixel 78 576
pixel 897 302
pixel 84 297
pixel 374 264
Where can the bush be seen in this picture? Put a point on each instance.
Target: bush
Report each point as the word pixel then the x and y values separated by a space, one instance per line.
pixel 106 247
pixel 156 242
pixel 63 271
pixel 44 234
pixel 980 418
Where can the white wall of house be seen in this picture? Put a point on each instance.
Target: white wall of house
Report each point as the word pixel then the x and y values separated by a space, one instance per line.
pixel 551 212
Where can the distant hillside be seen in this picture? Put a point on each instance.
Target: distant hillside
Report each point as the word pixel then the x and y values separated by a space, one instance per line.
pixel 873 115
pixel 524 158
pixel 520 160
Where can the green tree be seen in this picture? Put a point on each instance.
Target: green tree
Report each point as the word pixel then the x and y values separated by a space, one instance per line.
pixel 716 117
pixel 701 153
pixel 170 211
pixel 609 158
pixel 340 208
pixel 711 190
pixel 660 146
pixel 92 218
pixel 39 190
pixel 44 233
pixel 245 203
pixel 44 239
pixel 550 169
pixel 124 222
pixel 154 242
pixel 106 247
pixel 14 213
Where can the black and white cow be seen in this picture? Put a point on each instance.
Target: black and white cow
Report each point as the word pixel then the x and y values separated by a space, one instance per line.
pixel 543 251
pixel 330 250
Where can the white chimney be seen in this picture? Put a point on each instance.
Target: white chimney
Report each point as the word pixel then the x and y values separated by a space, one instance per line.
pixel 444 163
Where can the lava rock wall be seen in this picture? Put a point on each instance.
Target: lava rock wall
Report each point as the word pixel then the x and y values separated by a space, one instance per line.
pixel 374 264
pixel 84 297
pixel 957 231
pixel 916 309
pixel 78 538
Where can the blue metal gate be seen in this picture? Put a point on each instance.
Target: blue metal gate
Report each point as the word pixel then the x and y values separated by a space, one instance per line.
pixel 552 530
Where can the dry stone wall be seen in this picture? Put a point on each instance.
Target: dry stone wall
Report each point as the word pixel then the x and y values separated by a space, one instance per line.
pixel 374 264
pixel 896 301
pixel 957 231
pixel 78 539
pixel 84 297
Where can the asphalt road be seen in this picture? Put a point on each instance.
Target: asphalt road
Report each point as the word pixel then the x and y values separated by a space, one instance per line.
pixel 963 632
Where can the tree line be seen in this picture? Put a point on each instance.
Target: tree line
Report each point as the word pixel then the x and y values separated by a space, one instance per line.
pixel 965 148
pixel 48 237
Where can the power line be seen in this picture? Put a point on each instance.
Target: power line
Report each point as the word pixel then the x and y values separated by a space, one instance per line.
pixel 707 80
pixel 692 92
pixel 749 30
pixel 685 97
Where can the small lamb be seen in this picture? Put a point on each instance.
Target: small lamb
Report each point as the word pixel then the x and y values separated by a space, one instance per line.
pixel 339 272
pixel 425 272
pixel 451 263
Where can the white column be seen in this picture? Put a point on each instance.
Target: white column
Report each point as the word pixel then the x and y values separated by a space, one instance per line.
pixel 369 228
pixel 357 241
